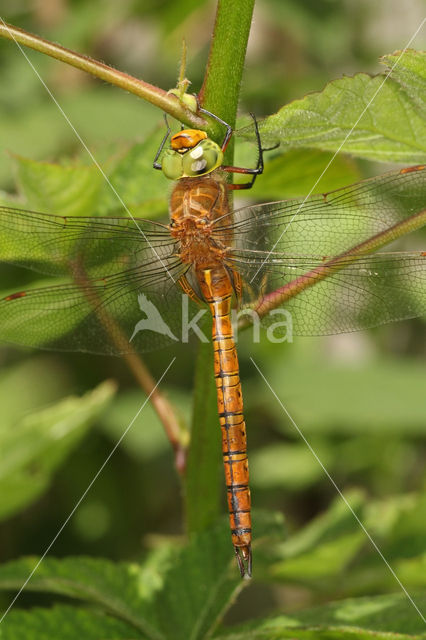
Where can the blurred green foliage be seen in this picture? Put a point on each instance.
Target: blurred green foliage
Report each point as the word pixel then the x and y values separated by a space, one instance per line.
pixel 358 399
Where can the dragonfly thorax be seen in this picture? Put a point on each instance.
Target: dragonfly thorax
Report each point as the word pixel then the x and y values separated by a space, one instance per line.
pixel 195 205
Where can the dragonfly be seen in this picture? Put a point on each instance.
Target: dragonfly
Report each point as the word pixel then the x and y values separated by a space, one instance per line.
pixel 315 256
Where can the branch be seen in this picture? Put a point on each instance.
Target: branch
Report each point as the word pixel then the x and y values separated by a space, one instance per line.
pixel 162 406
pixel 156 96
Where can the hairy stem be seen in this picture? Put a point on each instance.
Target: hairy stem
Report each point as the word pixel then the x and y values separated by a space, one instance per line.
pixel 156 96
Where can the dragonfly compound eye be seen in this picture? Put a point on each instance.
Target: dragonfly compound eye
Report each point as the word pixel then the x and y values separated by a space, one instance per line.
pixel 171 164
pixel 203 158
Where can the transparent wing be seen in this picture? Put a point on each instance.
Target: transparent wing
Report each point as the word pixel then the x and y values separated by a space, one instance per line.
pixel 121 292
pixel 56 245
pixel 351 296
pixel 284 246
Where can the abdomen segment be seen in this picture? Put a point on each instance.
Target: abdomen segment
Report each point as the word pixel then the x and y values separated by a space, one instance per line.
pixel 217 291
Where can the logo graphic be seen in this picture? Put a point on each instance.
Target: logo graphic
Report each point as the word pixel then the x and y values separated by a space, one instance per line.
pixel 153 321
pixel 278 323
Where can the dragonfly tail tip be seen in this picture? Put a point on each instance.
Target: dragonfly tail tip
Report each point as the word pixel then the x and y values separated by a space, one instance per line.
pixel 244 560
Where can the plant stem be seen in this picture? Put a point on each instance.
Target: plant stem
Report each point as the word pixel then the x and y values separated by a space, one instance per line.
pixel 156 96
pixel 162 406
pixel 203 479
pixel 219 94
pixel 221 87
pixel 165 411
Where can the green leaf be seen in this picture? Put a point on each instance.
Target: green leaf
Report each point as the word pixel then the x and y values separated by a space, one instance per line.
pixel 294 173
pixel 28 385
pixel 37 129
pixel 137 184
pixel 329 548
pixel 315 633
pixel 53 188
pixel 408 539
pixel 388 617
pixel 177 593
pixel 73 622
pixel 39 442
pixel 321 566
pixel 122 590
pixel 395 387
pixel 381 116
pixel 410 71
pixel 392 613
pixel 397 524
pixel 287 465
pixel 324 547
pixel 149 440
pixel 320 634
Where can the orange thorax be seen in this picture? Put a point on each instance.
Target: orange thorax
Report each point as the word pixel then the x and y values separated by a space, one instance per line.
pixel 195 204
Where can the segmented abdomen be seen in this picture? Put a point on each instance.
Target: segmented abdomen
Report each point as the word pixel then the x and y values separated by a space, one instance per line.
pixel 216 287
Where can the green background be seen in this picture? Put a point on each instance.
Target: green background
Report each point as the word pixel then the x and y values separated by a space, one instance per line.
pixel 358 398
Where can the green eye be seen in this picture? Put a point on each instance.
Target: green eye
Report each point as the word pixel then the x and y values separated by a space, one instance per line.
pixel 205 157
pixel 172 164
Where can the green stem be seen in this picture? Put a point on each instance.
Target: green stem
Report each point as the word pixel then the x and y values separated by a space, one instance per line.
pixel 203 478
pixel 222 82
pixel 219 94
pixel 156 96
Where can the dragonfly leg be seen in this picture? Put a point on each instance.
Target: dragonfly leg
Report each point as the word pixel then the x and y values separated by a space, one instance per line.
pixel 257 170
pixel 229 131
pixel 155 164
pixel 188 289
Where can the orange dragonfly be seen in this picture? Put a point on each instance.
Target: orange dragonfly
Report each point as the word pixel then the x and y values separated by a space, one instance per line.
pixel 254 258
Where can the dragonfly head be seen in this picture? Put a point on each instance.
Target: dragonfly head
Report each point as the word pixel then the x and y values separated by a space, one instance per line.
pixel 191 154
